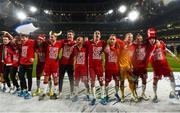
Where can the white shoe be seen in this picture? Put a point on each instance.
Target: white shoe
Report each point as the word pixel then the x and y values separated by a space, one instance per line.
pixel 135 99
pixel 143 96
pixel 12 90
pixel 7 90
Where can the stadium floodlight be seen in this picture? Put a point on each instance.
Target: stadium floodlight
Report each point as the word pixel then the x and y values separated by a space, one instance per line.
pixel 133 15
pixel 122 9
pixel 21 15
pixel 46 11
pixel 33 9
pixel 110 11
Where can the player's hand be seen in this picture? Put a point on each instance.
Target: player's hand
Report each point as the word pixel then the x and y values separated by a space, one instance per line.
pixel 32 60
pixel 4 32
pixel 176 59
pixel 60 32
pixel 86 39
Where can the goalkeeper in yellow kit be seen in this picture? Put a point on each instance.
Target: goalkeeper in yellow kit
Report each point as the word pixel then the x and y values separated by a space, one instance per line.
pixel 125 54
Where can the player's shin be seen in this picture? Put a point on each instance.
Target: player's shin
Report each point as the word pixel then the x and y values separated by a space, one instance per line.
pixel 38 84
pixel 45 88
pixel 76 88
pixel 93 90
pixel 102 91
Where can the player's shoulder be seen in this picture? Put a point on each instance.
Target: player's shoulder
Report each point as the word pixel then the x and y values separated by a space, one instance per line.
pixel 162 43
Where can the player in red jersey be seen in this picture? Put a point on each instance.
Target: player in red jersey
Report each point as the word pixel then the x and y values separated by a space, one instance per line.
pixel 80 67
pixel 40 49
pixel 52 64
pixel 7 60
pixel 26 65
pixel 95 50
pixel 66 62
pixel 111 65
pixel 16 57
pixel 2 81
pixel 157 57
pixel 139 66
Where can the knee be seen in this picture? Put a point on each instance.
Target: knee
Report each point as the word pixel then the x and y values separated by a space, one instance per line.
pixel 46 79
pixel 55 81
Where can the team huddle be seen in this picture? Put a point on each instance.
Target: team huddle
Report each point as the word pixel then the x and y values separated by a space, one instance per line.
pixel 82 59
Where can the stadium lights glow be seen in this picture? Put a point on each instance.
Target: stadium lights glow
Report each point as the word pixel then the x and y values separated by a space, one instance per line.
pixel 133 15
pixel 122 9
pixel 33 9
pixel 110 11
pixel 21 15
pixel 46 11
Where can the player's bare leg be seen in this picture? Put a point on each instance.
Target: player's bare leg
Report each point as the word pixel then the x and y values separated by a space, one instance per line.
pixel 38 90
pixel 102 84
pixel 87 90
pixel 76 90
pixel 55 88
pixel 116 87
pixel 44 95
pixel 155 98
pixel 93 91
pixel 106 92
pixel 50 87
pixel 122 86
pixel 173 85
pixel 143 95
pixel 2 82
pixel 122 91
pixel 133 91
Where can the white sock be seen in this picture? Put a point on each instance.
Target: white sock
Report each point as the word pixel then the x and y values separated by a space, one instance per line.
pixel 173 84
pixel 155 90
pixel 116 89
pixel 106 90
pixel 102 91
pixel 93 90
pixel 56 89
pixel 45 88
pixel 76 88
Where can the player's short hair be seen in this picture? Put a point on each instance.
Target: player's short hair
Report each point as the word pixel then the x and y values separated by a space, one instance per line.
pixel 113 35
pixel 71 31
pixel 97 31
pixel 129 34
pixel 139 35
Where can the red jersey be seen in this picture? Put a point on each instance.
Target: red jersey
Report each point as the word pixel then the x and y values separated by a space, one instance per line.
pixel 1 64
pixel 139 56
pixel 7 54
pixel 80 56
pixel 67 52
pixel 16 55
pixel 1 49
pixel 95 52
pixel 111 56
pixel 159 61
pixel 41 53
pixel 27 52
pixel 158 56
pixel 52 52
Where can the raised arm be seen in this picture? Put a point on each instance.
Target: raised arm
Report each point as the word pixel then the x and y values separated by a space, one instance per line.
pixel 172 54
